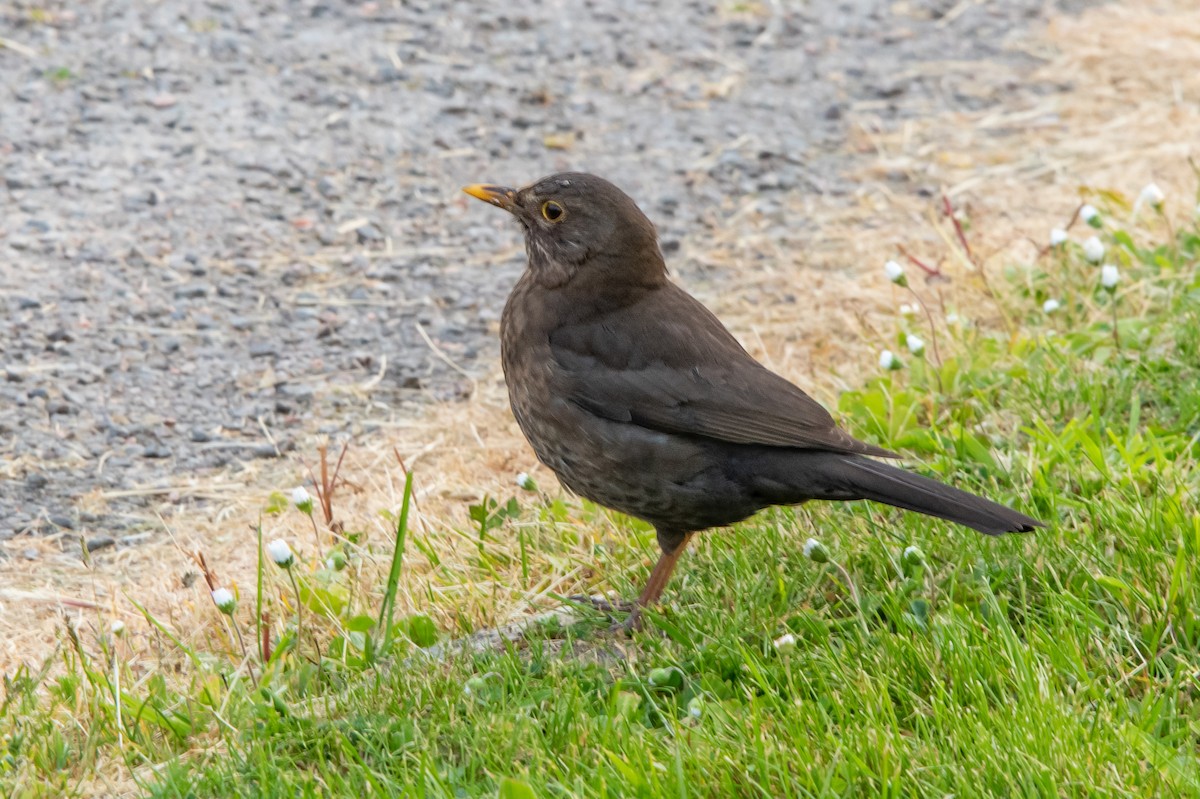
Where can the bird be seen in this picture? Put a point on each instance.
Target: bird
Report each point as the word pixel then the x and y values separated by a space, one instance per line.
pixel 639 399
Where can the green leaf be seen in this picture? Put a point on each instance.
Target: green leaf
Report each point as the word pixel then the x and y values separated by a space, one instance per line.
pixel 422 631
pixel 511 788
pixel 670 678
pixel 277 503
pixel 360 624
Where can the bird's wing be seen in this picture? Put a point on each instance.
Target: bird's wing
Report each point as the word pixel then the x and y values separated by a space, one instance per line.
pixel 666 363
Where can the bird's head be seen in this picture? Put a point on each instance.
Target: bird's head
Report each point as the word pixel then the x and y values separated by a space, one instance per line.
pixel 579 226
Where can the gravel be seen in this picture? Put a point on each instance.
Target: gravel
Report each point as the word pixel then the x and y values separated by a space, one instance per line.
pixel 215 218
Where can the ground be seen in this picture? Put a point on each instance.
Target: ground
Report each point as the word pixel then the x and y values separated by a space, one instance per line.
pixel 232 233
pixel 220 220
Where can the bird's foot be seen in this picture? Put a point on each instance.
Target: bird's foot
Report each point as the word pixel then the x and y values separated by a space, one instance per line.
pixel 632 623
pixel 604 605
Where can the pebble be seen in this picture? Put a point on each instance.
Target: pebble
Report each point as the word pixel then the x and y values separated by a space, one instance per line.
pixel 191 291
pixel 369 233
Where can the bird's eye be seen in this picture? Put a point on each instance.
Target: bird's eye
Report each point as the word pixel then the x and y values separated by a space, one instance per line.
pixel 552 211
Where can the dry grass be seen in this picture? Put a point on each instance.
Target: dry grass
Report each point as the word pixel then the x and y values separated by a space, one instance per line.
pixel 1131 115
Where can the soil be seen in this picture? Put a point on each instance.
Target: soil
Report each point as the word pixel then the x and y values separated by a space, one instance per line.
pixel 227 226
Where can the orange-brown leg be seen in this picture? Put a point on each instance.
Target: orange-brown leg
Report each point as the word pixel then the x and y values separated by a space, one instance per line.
pixel 658 579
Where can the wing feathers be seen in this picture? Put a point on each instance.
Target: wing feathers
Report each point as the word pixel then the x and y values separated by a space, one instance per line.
pixel 700 381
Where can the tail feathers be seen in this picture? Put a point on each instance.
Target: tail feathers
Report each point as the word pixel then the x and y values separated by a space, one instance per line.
pixel 873 480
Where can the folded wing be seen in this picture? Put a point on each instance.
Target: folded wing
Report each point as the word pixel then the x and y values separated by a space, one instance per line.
pixel 694 380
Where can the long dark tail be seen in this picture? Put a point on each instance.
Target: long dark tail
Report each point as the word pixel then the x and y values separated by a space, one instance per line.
pixel 784 477
pixel 883 483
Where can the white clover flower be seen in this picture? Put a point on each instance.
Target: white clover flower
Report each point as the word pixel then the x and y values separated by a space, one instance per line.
pixel 815 551
pixel 1050 306
pixel 1090 215
pixel 1057 236
pixel 916 345
pixel 912 557
pixel 895 273
pixel 785 642
pixel 279 551
pixel 1109 276
pixel 887 360
pixel 1152 196
pixel 525 482
pixel 476 685
pixel 117 627
pixel 302 499
pixel 908 310
pixel 1093 250
pixel 952 318
pixel 695 707
pixel 224 600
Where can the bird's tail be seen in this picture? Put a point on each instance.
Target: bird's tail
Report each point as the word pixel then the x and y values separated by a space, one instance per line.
pixel 787 477
pixel 869 479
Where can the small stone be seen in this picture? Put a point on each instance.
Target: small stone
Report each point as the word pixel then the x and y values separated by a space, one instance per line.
pixel 263 349
pixel 36 481
pixel 139 199
pixel 99 543
pixel 30 554
pixel 200 435
pixel 328 189
pixel 369 233
pixel 155 451
pixel 191 291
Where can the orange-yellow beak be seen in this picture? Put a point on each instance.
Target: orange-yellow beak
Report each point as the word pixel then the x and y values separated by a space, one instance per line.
pixel 499 196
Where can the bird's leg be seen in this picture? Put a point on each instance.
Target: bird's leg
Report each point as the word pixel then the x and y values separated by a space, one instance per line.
pixel 672 547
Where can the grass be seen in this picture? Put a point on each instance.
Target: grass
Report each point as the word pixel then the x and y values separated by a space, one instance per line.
pixel 904 657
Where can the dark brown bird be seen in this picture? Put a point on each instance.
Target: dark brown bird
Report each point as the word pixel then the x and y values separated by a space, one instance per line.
pixel 639 399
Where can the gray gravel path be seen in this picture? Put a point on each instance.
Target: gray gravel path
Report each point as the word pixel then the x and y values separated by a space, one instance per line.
pixel 217 219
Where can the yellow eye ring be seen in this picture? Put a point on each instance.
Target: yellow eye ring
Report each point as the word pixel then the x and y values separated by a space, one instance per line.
pixel 552 211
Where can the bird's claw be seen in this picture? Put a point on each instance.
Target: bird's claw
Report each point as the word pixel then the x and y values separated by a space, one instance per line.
pixel 604 605
pixel 632 623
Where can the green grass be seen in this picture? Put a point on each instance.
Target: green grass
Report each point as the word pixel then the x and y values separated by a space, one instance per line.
pixel 1063 663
